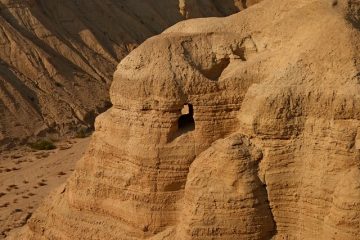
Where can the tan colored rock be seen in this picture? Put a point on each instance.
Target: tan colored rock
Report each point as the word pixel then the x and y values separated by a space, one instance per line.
pixel 224 197
pixel 57 57
pixel 270 153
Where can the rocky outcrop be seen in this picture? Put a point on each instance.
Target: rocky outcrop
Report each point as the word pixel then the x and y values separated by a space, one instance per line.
pixel 57 57
pixel 226 199
pixel 245 127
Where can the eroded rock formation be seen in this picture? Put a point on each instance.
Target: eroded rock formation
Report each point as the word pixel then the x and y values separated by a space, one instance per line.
pixel 57 58
pixel 272 152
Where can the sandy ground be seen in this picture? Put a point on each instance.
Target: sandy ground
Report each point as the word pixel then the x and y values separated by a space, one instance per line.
pixel 27 176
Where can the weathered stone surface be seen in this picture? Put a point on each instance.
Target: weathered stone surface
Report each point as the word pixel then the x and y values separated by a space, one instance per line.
pixel 274 153
pixel 57 58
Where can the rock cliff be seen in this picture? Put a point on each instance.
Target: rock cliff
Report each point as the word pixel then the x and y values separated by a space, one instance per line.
pixel 57 57
pixel 244 127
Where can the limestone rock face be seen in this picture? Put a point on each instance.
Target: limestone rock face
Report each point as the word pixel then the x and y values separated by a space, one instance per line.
pixel 57 58
pixel 245 127
pixel 226 198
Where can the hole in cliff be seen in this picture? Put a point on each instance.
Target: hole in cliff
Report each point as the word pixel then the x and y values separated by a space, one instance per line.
pixel 244 3
pixel 240 52
pixel 186 121
pixel 215 71
pixel 175 186
pixel 184 124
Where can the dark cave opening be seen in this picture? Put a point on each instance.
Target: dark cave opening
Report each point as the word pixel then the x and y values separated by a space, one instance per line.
pixel 186 121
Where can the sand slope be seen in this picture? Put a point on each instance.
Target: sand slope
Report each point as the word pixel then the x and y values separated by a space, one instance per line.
pixel 27 176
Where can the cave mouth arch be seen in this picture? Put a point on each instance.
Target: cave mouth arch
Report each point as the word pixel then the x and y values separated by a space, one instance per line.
pixel 186 121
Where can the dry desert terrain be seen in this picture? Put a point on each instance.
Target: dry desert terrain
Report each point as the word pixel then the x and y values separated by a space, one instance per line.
pixel 221 120
pixel 28 176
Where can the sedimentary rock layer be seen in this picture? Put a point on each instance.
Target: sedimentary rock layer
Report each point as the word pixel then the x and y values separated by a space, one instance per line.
pixel 266 147
pixel 57 57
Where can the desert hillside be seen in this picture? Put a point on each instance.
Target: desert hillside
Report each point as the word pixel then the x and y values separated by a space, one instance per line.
pixel 243 127
pixel 57 58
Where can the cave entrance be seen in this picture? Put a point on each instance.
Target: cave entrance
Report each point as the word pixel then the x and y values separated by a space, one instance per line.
pixel 186 121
